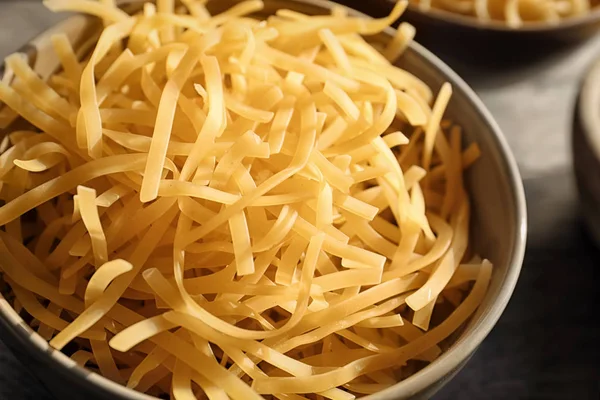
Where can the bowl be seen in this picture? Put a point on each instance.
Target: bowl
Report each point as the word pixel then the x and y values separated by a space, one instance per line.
pixel 447 32
pixel 498 226
pixel 586 149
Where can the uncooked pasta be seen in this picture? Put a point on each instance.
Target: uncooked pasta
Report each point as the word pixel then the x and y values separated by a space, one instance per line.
pixel 227 206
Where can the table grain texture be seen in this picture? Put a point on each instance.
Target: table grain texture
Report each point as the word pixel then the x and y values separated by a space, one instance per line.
pixel 547 344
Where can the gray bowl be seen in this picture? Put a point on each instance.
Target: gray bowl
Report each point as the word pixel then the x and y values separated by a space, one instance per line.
pixel 586 149
pixel 498 226
pixel 579 26
pixel 491 42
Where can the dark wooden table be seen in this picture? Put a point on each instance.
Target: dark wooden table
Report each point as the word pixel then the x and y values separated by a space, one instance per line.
pixel 547 344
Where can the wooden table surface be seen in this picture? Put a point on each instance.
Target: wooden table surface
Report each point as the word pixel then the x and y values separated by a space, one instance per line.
pixel 547 344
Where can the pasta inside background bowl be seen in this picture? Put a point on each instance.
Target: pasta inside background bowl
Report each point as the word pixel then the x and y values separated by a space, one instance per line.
pixel 498 227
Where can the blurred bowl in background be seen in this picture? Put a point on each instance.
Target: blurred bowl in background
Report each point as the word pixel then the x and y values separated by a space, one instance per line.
pixel 586 149
pixel 447 32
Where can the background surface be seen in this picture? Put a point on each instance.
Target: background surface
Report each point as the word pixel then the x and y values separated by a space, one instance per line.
pixel 547 343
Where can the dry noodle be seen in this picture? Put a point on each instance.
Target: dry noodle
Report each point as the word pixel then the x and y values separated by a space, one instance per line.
pixel 213 206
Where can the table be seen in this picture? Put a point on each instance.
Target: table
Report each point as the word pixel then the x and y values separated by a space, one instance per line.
pixel 546 345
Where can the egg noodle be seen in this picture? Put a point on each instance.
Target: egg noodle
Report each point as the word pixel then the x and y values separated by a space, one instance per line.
pixel 215 206
pixel 514 13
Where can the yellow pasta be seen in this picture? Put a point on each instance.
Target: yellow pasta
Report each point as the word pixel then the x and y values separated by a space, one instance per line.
pixel 86 204
pixel 103 277
pixel 213 206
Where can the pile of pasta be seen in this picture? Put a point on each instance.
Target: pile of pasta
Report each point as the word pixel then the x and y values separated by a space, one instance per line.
pixel 219 206
pixel 514 13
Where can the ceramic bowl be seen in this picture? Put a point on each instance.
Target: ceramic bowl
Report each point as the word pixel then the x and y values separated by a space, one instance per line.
pixel 498 228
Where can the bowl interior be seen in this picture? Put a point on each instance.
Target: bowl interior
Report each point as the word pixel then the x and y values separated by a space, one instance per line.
pixel 498 211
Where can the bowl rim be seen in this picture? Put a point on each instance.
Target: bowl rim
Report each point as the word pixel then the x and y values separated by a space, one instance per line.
pixel 446 364
pixel 467 21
